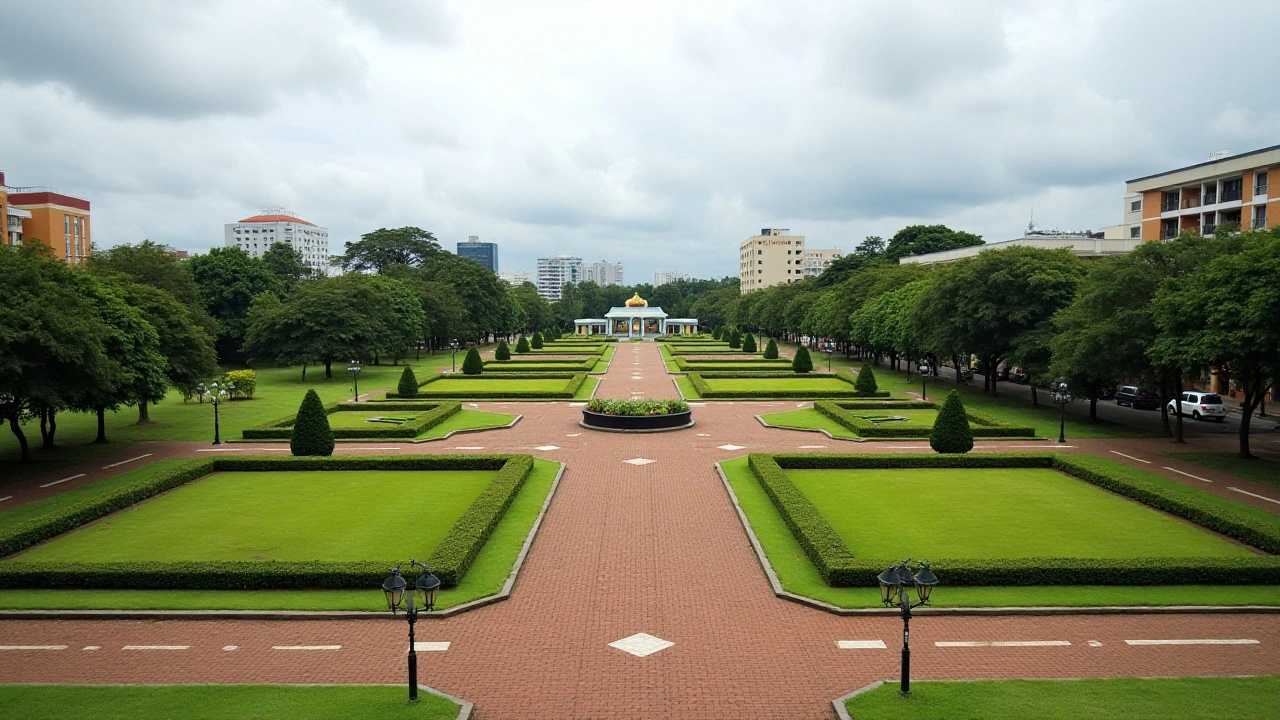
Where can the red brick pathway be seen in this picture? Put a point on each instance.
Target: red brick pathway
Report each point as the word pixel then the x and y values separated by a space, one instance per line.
pixel 628 549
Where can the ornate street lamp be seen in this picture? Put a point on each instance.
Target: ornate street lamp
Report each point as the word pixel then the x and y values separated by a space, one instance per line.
pixel 895 589
pixel 217 393
pixel 453 345
pixel 354 369
pixel 924 368
pixel 1061 395
pixel 425 589
pixel 828 347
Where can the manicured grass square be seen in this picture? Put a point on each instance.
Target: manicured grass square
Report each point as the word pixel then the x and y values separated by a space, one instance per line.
pixel 283 515
pixel 461 387
pixel 800 384
pixel 347 419
pixel 995 513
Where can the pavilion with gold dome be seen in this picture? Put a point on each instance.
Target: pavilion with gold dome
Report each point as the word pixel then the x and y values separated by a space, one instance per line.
pixel 636 320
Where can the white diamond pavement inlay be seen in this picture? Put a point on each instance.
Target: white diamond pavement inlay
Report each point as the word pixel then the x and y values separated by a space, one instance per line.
pixel 641 644
pixel 544 448
pixel 730 447
pixel 639 461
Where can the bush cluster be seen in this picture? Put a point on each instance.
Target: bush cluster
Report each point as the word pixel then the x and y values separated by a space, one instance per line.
pixel 637 407
pixel 311 433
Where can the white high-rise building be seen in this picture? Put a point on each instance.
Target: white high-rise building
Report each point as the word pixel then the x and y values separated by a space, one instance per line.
pixel 256 234
pixel 603 273
pixel 555 271
pixel 816 261
pixel 662 277
pixel 516 279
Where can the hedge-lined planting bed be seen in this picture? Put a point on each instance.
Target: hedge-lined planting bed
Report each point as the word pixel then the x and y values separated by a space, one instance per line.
pixel 845 414
pixel 691 349
pixel 573 381
pixel 521 365
pixel 734 364
pixel 432 414
pixel 449 560
pixel 762 388
pixel 595 349
pixel 840 568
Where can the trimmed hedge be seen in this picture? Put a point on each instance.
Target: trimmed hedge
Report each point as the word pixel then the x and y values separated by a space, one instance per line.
pixel 553 365
pixel 522 345
pixel 311 434
pixel 699 383
pixel 951 433
pixel 573 384
pixel 434 414
pixel 503 352
pixel 710 363
pixel 718 349
pixel 840 412
pixel 771 350
pixel 839 568
pixel 866 381
pixel 802 363
pixel 472 364
pixel 449 561
pixel 537 341
pixel 408 385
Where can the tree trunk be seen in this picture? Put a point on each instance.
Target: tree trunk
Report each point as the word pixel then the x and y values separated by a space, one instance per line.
pixel 1093 409
pixel 1164 403
pixel 328 369
pixel 1254 384
pixel 102 426
pixel 304 372
pixel 144 412
pixel 1035 397
pixel 22 439
pixel 53 426
pixel 45 441
pixel 1177 419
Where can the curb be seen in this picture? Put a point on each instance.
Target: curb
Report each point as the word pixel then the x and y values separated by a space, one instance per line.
pixel 778 591
pixel 842 713
pixel 499 596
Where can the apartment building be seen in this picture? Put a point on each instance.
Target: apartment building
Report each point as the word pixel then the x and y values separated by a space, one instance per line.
pixel 816 261
pixel 662 277
pixel 555 271
pixel 57 220
pixel 515 279
pixel 485 253
pixel 256 234
pixel 603 273
pixel 1200 197
pixel 773 257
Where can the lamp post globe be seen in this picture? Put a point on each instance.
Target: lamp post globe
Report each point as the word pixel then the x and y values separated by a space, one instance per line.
pixel 425 589
pixel 1061 395
pixel 354 368
pixel 895 590
pixel 924 369
pixel 453 346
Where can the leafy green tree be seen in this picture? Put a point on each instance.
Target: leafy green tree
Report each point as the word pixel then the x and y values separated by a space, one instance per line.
pixel 503 352
pixel 538 312
pixel 537 341
pixel 866 381
pixel 408 386
pixel 311 433
pixel 951 432
pixel 522 345
pixel 472 364
pixel 377 250
pixel 801 362
pixel 151 264
pixel 749 343
pixel 484 299
pixel 921 239
pixel 771 350
pixel 229 280
pixel 188 349
pixel 286 265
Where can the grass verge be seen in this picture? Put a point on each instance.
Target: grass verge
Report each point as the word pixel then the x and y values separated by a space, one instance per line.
pixel 808 419
pixel 466 419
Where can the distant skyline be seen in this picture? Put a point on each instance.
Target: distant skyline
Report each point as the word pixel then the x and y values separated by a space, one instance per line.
pixel 657 134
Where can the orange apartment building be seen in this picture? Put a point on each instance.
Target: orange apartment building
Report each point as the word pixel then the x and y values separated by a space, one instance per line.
pixel 40 213
pixel 1200 197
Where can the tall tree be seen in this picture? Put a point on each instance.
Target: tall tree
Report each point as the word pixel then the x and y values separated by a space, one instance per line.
pixel 285 265
pixel 921 239
pixel 151 264
pixel 189 355
pixel 229 280
pixel 384 247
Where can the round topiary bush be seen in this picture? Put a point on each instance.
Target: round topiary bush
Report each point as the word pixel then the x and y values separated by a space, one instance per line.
pixel 472 364
pixel 503 352
pixel 537 341
pixel 801 363
pixel 749 343
pixel 951 433
pixel 866 382
pixel 522 346
pixel 311 433
pixel 771 350
pixel 735 339
pixel 408 386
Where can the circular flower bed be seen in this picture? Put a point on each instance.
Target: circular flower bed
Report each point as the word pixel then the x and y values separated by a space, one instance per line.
pixel 636 415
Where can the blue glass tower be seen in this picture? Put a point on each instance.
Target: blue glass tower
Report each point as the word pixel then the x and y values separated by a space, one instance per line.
pixel 485 253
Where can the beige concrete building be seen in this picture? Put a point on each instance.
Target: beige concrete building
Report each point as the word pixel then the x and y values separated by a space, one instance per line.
pixel 1225 189
pixel 816 261
pixel 773 257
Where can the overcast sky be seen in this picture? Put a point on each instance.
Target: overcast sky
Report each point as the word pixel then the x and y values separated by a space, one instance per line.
pixel 660 134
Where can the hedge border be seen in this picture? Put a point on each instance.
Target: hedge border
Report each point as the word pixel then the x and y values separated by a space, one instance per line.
pixel 691 365
pixel 839 568
pixel 988 427
pixel 435 413
pixel 500 366
pixel 699 384
pixel 708 350
pixel 449 561
pixel 575 381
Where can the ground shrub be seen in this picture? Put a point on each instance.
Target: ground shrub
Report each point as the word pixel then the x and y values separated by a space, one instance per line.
pixel 749 343
pixel 866 382
pixel 503 352
pixel 537 341
pixel 802 363
pixel 522 346
pixel 408 386
pixel 735 339
pixel 246 381
pixel 716 333
pixel 771 350
pixel 472 364
pixel 311 432
pixel 951 432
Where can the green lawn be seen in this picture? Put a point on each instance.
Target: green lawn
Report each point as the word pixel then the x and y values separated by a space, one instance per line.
pixel 798 575
pixel 1111 699
pixel 1258 470
pixel 737 367
pixel 808 419
pixel 685 385
pixel 466 419
pixel 216 702
pixel 347 419
pixel 317 515
pixel 800 384
pixel 22 513
pixel 486 576
pixel 997 513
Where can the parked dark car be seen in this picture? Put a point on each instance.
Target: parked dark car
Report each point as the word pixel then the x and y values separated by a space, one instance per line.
pixel 1107 394
pixel 1137 398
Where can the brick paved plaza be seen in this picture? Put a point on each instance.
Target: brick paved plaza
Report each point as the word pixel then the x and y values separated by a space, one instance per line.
pixel 652 548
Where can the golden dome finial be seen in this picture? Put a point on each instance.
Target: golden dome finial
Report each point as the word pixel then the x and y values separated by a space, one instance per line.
pixel 637 301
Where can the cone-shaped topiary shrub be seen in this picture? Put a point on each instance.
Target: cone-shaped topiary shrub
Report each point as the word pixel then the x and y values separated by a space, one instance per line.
pixel 866 382
pixel 771 350
pixel 951 433
pixel 408 386
pixel 311 433
pixel 716 333
pixel 523 345
pixel 537 341
pixel 735 340
pixel 472 364
pixel 801 363
pixel 749 343
pixel 503 352
pixel 551 333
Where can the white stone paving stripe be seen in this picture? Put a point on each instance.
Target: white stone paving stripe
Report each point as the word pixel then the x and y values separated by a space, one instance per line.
pixel 220 450
pixel 1117 452
pixel 811 447
pixel 33 647
pixel 357 447
pixel 469 447
pixel 122 462
pixel 91 647
pixel 431 646
pixel 6 497
pixel 1004 643
pixel 156 647
pixel 1195 477
pixel 1203 641
pixel 306 647
pixel 860 644
pixel 1260 497
pixel 65 479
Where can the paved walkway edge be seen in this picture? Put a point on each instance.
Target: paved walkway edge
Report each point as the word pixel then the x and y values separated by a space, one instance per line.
pixel 842 713
pixel 501 595
pixel 979 611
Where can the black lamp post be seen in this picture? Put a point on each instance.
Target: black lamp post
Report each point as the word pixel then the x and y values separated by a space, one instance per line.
pixel 453 345
pixel 217 393
pixel 895 589
pixel 924 368
pixel 828 347
pixel 354 369
pixel 425 588
pixel 1061 395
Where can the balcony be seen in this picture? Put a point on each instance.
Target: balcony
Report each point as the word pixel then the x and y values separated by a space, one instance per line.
pixel 1207 229
pixel 1260 189
pixel 1190 203
pixel 1230 195
pixel 1260 223
pixel 1211 199
pixel 1169 205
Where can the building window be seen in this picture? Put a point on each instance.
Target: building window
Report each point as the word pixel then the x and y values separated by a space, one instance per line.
pixel 1231 189
pixel 1135 206
pixel 1260 183
pixel 1169 201
pixel 1259 217
pixel 1135 232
